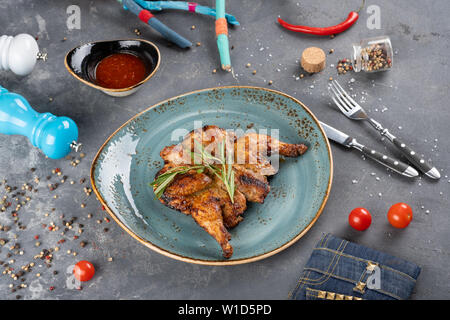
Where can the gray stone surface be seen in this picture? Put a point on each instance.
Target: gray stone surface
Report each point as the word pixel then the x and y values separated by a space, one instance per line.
pixel 412 99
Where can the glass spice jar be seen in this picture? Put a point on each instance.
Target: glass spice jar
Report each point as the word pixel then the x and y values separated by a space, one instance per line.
pixel 373 54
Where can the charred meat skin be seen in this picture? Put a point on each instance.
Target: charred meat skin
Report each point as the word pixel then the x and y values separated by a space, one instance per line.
pixel 253 185
pixel 206 200
pixel 208 204
pixel 204 196
pixel 188 184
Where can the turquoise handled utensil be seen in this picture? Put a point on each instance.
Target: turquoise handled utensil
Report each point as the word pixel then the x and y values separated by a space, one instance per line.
pixel 183 5
pixel 55 136
pixel 147 17
pixel 222 36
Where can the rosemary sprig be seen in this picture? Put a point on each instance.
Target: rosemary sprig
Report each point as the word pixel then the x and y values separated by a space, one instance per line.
pixel 224 172
pixel 221 167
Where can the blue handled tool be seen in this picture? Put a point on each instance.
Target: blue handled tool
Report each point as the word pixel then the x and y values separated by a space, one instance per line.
pixel 55 136
pixel 222 36
pixel 183 5
pixel 147 17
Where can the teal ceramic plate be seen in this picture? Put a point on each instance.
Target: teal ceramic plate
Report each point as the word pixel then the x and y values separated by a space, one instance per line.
pixel 129 160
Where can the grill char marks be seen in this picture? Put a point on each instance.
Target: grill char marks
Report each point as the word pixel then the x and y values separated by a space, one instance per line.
pixel 189 183
pixel 254 186
pixel 210 207
pixel 204 196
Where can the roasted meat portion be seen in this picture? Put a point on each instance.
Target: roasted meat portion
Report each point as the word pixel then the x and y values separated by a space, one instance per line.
pixel 204 195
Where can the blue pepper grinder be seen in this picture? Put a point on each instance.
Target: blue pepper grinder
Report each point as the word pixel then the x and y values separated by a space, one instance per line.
pixel 55 136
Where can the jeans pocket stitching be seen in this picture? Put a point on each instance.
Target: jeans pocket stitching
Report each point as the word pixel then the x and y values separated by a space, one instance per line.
pixel 326 274
pixel 366 260
pixel 305 275
pixel 333 262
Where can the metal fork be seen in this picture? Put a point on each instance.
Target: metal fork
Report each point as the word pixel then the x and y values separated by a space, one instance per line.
pixel 354 111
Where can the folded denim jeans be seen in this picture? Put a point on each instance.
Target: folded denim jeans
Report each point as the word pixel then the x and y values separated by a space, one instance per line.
pixel 342 270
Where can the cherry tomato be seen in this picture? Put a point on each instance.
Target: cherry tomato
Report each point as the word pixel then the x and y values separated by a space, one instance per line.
pixel 360 219
pixel 400 215
pixel 84 270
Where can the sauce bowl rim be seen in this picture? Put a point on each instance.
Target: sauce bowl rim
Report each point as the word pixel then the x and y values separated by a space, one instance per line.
pixel 111 89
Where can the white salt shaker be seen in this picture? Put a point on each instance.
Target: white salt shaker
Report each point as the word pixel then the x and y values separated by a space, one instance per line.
pixel 19 54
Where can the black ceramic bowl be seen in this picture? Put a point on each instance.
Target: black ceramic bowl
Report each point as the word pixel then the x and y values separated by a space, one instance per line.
pixel 82 61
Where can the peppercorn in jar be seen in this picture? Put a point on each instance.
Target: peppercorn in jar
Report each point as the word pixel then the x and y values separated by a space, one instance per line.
pixel 373 55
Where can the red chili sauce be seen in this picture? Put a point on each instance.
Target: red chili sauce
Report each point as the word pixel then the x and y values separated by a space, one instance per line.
pixel 120 70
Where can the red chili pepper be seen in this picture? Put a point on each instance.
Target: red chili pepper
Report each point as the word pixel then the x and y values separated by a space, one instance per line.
pixel 351 19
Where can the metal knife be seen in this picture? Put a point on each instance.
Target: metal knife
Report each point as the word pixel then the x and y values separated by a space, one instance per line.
pixel 349 142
